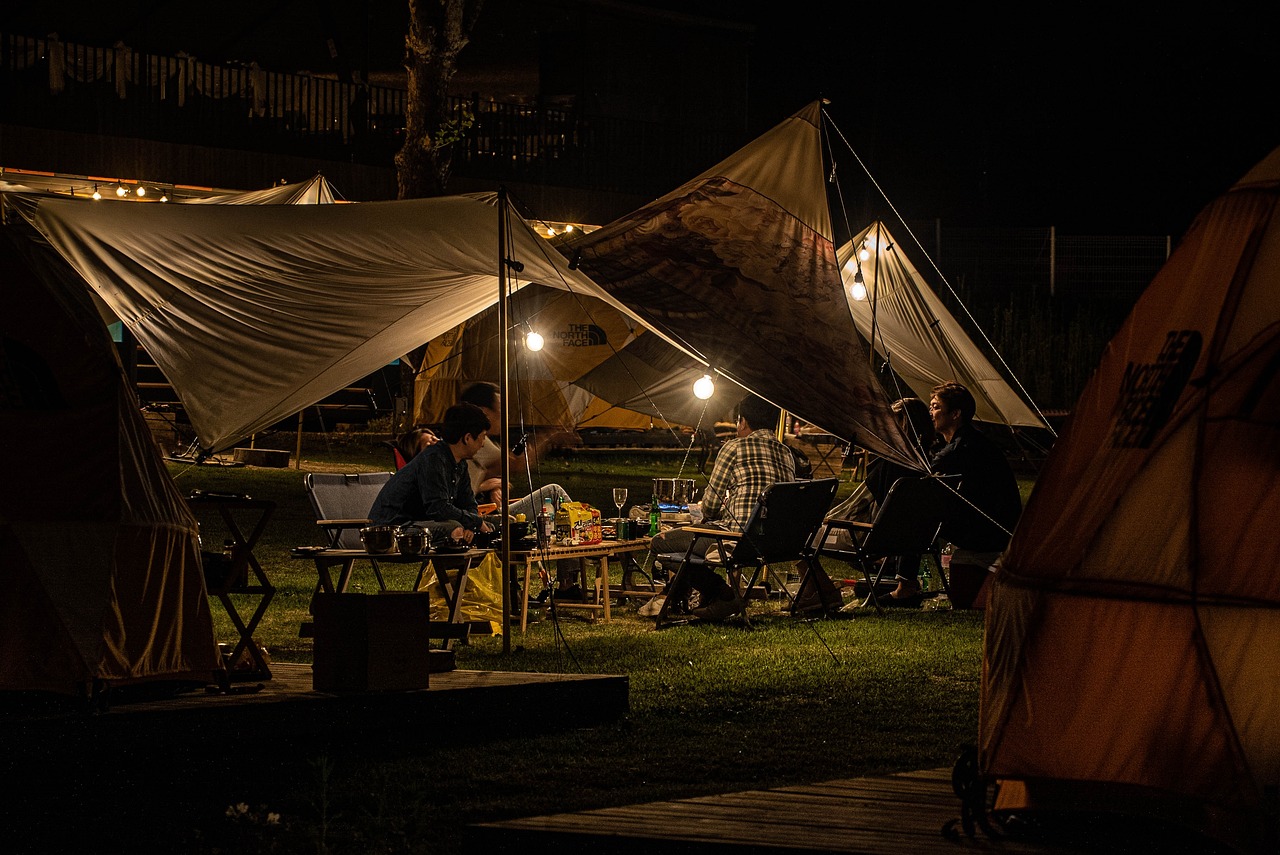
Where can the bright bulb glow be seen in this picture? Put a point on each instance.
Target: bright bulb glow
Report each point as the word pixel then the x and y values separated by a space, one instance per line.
pixel 533 341
pixel 864 253
pixel 704 387
pixel 120 191
pixel 858 290
pixel 96 194
pixel 141 191
pixel 164 197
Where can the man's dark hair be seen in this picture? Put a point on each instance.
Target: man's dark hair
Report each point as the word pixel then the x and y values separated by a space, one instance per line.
pixel 759 413
pixel 956 397
pixel 482 394
pixel 463 419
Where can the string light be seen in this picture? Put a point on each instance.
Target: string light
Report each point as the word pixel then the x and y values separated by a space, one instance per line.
pixel 120 191
pixel 141 191
pixel 533 341
pixel 858 290
pixel 704 387
pixel 96 193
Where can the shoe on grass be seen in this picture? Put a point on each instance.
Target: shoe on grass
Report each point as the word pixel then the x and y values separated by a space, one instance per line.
pixel 718 610
pixel 653 607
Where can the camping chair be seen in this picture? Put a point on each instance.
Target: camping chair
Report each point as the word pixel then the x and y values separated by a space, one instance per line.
pixel 780 529
pixel 342 503
pixel 906 523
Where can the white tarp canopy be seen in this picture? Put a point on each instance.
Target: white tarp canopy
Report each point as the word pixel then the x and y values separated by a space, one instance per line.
pixel 254 312
pixel 314 191
pixel 910 328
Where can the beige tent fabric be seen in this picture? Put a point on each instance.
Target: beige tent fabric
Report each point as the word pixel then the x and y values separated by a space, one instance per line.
pixel 739 265
pixel 917 335
pixel 100 554
pixel 256 311
pixel 1133 634
pixel 314 191
pixel 579 332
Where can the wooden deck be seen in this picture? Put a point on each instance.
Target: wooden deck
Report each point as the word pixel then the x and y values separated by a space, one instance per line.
pixel 287 705
pixel 889 814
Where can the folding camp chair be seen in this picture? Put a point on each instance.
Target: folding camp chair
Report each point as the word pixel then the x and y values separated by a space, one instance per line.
pixel 342 503
pixel 906 523
pixel 780 529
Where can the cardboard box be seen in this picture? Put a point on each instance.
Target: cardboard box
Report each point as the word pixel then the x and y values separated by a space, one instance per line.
pixel 371 642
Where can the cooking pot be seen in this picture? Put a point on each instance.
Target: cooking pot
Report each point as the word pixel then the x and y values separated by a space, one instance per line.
pixel 674 491
pixel 412 539
pixel 378 539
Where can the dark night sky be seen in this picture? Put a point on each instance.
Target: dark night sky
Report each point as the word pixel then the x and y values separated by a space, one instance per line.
pixel 1125 118
pixel 1098 123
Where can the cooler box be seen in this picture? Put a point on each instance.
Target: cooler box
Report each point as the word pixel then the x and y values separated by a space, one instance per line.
pixel 371 642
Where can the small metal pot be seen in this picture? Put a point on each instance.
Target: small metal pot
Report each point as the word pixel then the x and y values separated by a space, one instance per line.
pixel 678 491
pixel 412 539
pixel 378 539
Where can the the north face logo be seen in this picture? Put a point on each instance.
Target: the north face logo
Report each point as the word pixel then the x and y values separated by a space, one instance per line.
pixel 1150 390
pixel 582 335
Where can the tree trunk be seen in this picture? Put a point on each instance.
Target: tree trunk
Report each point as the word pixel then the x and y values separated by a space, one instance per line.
pixel 438 31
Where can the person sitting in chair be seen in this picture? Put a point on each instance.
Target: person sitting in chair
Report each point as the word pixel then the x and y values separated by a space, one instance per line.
pixel 486 480
pixel 745 467
pixel 989 504
pixel 916 423
pixel 433 489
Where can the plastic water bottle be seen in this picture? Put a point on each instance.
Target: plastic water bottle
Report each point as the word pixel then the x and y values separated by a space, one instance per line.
pixel 655 516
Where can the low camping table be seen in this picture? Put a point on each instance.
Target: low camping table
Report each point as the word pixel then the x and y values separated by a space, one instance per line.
pixel 254 515
pixel 604 550
pixel 443 562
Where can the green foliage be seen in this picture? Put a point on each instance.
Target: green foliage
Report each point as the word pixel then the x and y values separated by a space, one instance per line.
pixel 454 129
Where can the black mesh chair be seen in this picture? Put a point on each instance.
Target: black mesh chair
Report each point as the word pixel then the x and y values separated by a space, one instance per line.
pixel 781 530
pixel 906 524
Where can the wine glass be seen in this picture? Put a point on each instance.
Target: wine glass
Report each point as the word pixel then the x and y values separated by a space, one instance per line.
pixel 619 498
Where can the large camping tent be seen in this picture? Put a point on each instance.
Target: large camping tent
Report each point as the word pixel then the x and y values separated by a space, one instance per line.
pixel 1133 634
pixel 579 332
pixel 98 551
pixel 910 328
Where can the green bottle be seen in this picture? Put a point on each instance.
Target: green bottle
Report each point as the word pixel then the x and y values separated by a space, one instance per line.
pixel 655 516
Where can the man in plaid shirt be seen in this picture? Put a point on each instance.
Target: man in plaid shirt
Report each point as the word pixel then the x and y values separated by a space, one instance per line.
pixel 743 469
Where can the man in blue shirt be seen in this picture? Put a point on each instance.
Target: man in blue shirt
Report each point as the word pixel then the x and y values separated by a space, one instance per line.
pixel 434 488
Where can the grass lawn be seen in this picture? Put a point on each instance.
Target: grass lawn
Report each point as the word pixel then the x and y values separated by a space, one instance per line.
pixel 713 708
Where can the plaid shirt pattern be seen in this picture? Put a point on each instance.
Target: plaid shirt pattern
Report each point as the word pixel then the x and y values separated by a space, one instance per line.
pixel 744 468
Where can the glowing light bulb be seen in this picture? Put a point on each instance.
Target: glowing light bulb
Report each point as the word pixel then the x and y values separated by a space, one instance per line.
pixel 96 194
pixel 164 197
pixel 864 253
pixel 141 191
pixel 120 191
pixel 704 387
pixel 858 290
pixel 533 341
